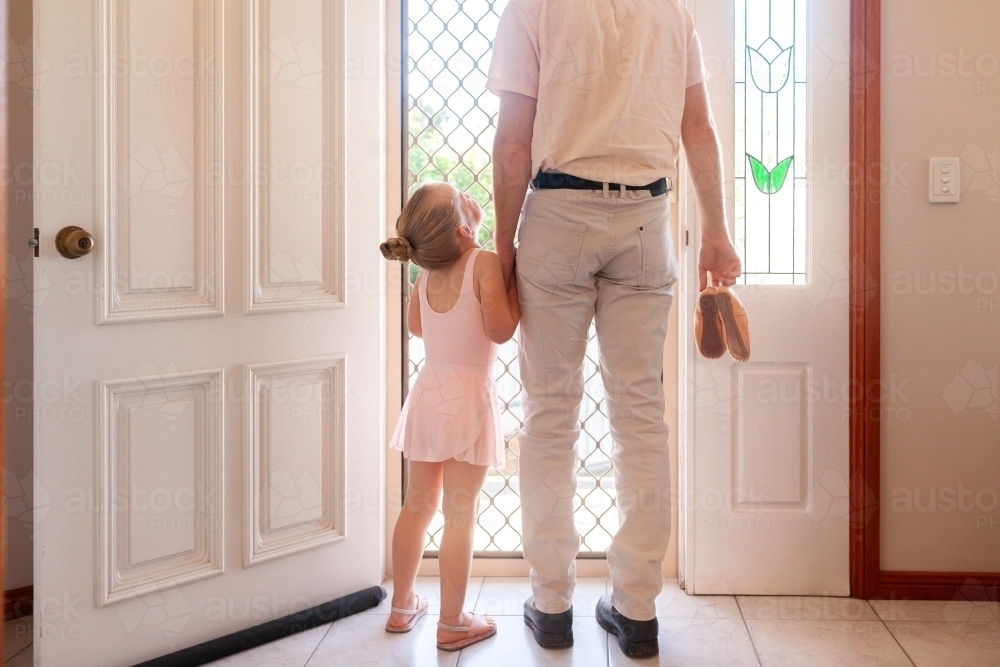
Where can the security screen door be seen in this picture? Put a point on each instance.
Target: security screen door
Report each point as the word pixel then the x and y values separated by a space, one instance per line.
pixel 451 124
pixel 764 460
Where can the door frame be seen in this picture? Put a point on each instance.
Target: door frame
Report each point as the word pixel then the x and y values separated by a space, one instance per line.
pixel 3 302
pixel 868 579
pixel 865 295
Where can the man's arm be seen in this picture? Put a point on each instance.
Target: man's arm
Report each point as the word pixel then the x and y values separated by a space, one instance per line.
pixel 718 260
pixel 511 170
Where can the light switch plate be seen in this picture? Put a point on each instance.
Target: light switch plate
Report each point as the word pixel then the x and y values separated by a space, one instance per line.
pixel 945 180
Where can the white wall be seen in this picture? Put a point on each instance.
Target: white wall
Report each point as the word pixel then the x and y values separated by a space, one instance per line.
pixel 941 297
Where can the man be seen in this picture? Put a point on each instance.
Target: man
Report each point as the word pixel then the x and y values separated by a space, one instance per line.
pixel 595 99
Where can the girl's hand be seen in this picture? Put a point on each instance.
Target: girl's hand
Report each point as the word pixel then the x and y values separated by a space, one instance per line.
pixel 512 302
pixel 499 302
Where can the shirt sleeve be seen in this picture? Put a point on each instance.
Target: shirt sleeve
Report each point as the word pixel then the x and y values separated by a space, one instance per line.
pixel 515 65
pixel 695 63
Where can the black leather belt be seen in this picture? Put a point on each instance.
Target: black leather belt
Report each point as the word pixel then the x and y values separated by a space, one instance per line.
pixel 554 180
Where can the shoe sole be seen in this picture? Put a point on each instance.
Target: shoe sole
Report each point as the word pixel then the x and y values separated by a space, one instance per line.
pixel 550 639
pixel 468 641
pixel 630 648
pixel 712 344
pixel 738 347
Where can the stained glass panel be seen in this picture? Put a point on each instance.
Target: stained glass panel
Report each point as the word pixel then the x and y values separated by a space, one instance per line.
pixel 771 97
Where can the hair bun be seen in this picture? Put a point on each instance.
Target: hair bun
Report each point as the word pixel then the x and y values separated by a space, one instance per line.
pixel 397 249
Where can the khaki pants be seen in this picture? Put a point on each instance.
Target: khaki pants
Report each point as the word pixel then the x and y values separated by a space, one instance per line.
pixel 583 256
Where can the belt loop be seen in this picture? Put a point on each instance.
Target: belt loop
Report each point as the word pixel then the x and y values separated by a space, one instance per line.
pixel 607 191
pixel 622 189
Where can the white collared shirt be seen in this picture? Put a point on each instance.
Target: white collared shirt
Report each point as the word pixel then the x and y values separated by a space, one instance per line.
pixel 610 77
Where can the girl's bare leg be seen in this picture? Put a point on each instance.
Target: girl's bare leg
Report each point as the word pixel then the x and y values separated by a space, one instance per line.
pixel 423 493
pixel 462 484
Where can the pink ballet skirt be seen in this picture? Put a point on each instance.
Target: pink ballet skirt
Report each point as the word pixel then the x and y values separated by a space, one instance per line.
pixel 452 410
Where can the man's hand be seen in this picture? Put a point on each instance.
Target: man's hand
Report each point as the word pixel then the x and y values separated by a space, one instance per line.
pixel 507 253
pixel 718 262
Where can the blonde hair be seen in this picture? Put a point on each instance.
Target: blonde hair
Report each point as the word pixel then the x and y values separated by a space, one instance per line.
pixel 426 229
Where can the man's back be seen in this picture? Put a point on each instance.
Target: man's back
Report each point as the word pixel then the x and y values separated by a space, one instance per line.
pixel 610 79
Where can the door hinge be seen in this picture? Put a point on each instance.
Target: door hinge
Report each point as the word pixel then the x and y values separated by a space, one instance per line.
pixel 34 243
pixel 687 237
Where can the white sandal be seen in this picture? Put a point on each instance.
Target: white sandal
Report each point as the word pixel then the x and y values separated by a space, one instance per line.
pixel 414 615
pixel 478 621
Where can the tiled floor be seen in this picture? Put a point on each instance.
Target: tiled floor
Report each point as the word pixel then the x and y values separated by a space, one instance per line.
pixel 17 643
pixel 702 631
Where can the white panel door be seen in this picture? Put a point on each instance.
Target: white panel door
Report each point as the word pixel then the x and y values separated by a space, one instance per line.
pixel 209 441
pixel 765 443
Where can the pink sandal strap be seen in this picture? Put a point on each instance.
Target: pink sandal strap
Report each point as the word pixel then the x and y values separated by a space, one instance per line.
pixel 453 628
pixel 414 614
pixel 408 612
pixel 479 624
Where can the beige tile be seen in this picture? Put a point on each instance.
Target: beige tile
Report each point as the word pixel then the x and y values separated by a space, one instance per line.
pixel 825 644
pixel 945 611
pixel 291 651
pixel 514 646
pixel 789 608
pixel 23 659
pixel 16 635
pixel 948 644
pixel 672 602
pixel 430 588
pixel 696 642
pixel 505 596
pixel 361 641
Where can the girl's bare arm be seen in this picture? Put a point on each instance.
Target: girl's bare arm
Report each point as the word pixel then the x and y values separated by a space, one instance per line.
pixel 413 311
pixel 500 310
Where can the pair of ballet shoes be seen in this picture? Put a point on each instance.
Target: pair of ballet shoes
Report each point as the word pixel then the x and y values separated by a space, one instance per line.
pixel 721 324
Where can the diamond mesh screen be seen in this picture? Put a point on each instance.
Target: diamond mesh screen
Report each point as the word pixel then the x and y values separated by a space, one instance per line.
pixel 451 124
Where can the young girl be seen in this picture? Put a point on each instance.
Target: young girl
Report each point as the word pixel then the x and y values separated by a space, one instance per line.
pixel 450 425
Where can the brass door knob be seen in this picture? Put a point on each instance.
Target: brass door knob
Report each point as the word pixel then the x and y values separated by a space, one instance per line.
pixel 74 242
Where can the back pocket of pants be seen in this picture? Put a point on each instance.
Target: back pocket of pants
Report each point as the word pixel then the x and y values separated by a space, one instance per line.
pixel 659 266
pixel 549 250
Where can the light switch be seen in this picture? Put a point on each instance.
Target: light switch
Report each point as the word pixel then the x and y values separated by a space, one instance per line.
pixel 946 182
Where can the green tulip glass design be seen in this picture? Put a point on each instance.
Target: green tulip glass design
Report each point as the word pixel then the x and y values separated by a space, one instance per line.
pixel 769 181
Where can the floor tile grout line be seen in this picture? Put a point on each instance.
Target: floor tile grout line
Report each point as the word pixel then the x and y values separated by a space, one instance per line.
pixel 893 635
pixel 318 644
pixel 874 610
pixel 17 654
pixel 475 603
pixel 746 626
pixel 607 654
pixel 479 592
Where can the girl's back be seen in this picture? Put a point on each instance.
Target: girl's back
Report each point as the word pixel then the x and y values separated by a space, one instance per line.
pixel 452 323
